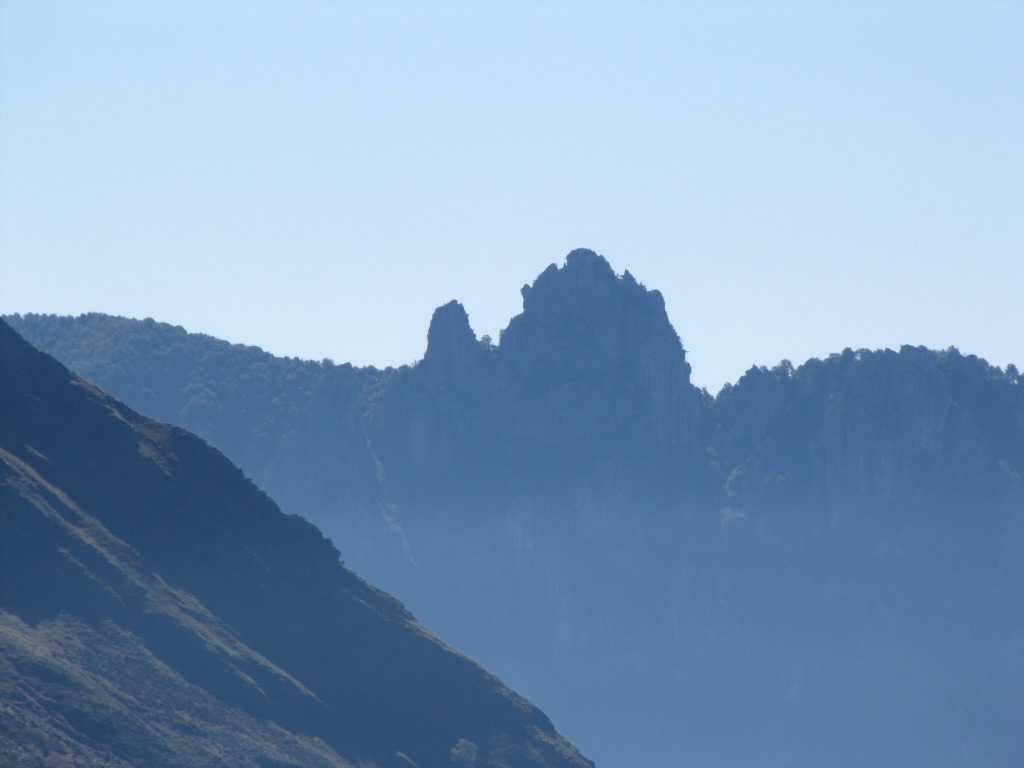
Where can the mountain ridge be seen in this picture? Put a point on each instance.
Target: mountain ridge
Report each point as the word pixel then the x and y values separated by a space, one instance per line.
pixel 818 551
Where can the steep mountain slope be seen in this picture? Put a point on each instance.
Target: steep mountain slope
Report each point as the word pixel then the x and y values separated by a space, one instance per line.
pixel 156 609
pixel 821 565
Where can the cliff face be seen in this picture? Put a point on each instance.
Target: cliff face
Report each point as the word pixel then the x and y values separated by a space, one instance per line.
pixel 816 554
pixel 156 608
pixel 593 355
pixel 454 356
pixel 590 371
pixel 862 434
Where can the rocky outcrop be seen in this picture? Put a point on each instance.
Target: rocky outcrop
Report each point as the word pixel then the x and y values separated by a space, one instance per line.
pixel 593 355
pixel 590 374
pixel 453 355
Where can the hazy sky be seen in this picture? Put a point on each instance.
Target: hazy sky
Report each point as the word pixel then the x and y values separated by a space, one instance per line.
pixel 317 177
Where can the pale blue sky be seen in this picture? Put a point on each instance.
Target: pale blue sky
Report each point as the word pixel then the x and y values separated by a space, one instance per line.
pixel 317 177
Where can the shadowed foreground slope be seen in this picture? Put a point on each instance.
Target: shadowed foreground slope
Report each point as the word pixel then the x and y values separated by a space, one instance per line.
pixel 156 609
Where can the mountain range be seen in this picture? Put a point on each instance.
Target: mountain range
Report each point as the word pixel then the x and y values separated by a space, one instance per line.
pixel 822 564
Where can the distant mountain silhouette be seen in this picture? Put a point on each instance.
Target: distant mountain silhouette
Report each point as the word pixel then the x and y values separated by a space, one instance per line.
pixel 157 609
pixel 822 564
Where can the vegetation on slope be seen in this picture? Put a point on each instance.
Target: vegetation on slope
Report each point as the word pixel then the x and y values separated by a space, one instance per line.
pixel 158 608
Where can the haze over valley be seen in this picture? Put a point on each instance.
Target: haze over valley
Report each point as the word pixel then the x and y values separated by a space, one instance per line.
pixel 511 385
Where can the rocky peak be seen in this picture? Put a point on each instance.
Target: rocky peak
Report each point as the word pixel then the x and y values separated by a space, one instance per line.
pixel 452 347
pixel 584 317
pixel 586 328
pixel 585 275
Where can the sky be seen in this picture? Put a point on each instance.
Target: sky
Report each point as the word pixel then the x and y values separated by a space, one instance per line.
pixel 315 178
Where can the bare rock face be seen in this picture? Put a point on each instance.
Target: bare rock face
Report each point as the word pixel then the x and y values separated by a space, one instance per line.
pixel 453 352
pixel 590 371
pixel 594 355
pixel 871 433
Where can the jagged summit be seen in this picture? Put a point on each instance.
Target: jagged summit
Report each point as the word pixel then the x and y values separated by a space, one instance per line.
pixel 452 347
pixel 584 337
pixel 582 323
pixel 586 271
pixel 583 266
pixel 586 305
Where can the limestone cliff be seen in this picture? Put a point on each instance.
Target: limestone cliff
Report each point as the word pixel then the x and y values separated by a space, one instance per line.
pixel 453 356
pixel 864 433
pixel 593 355
pixel 590 371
